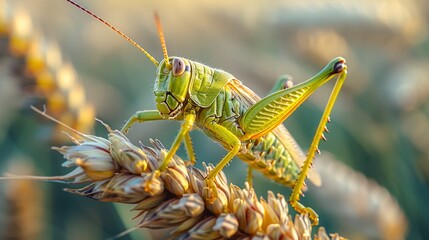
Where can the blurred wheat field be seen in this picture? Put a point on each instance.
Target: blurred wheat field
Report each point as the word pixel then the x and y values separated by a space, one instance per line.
pixel 379 125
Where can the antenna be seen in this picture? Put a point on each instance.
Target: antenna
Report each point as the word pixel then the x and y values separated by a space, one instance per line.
pixel 152 59
pixel 162 39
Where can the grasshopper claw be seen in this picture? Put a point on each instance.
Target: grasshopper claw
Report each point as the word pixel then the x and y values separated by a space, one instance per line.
pixel 312 215
pixel 211 190
pixel 301 209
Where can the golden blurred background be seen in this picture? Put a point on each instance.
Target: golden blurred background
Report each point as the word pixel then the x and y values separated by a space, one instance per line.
pixel 379 127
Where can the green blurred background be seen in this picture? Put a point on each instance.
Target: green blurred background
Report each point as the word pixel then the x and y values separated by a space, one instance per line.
pixel 380 123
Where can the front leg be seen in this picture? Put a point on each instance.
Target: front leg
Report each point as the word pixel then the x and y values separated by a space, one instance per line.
pixel 142 116
pixel 187 124
pixel 153 115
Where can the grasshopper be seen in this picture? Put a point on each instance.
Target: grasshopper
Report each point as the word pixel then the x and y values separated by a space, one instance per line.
pixel 230 113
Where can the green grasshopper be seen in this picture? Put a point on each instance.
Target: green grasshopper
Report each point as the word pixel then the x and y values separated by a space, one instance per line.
pixel 233 115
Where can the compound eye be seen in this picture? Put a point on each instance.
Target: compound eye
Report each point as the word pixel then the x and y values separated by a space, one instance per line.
pixel 178 67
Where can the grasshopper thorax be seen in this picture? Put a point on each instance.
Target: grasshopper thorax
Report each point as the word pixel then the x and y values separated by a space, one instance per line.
pixel 171 85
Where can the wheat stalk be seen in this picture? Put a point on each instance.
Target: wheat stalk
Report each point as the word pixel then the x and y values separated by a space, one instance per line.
pixel 113 169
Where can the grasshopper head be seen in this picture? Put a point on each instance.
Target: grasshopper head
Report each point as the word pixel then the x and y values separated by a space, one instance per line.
pixel 171 85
